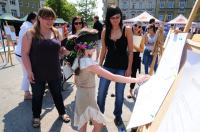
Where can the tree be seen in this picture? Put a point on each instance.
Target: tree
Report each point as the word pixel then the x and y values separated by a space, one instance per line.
pixel 86 9
pixel 63 9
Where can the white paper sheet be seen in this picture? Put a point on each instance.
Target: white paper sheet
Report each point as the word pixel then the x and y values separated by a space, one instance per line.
pixel 183 114
pixel 152 93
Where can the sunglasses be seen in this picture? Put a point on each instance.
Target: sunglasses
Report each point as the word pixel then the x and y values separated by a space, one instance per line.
pixel 137 26
pixel 115 17
pixel 77 23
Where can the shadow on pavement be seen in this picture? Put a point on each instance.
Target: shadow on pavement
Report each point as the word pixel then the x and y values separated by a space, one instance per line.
pixel 19 119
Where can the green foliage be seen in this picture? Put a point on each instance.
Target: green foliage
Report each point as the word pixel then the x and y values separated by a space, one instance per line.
pixel 63 9
pixel 86 9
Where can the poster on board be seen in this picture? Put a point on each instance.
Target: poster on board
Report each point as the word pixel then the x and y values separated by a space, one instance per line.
pixel 152 93
pixel 183 114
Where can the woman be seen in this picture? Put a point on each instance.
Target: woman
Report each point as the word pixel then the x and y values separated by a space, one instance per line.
pixel 77 25
pixel 137 31
pixel 31 19
pixel 40 54
pixel 115 41
pixel 150 39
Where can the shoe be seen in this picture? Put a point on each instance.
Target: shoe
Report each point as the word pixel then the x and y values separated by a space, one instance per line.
pixel 65 118
pixel 118 121
pixel 28 96
pixel 36 122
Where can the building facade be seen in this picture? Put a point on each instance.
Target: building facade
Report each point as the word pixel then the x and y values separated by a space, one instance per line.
pixel 107 3
pixel 27 6
pixel 10 6
pixel 168 9
pixel 132 8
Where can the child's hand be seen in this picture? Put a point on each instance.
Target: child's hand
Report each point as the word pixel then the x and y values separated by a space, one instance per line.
pixel 142 78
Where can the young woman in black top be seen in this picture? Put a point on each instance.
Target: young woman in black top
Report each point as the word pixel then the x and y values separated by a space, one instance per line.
pixel 116 39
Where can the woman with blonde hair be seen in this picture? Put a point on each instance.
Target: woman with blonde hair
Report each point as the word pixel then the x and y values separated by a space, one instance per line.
pixel 41 50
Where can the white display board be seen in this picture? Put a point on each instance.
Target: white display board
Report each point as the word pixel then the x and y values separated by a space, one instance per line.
pixel 9 32
pixel 183 114
pixel 152 93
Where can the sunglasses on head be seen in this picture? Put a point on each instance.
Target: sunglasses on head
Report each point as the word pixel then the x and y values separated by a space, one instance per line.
pixel 114 17
pixel 77 23
pixel 137 26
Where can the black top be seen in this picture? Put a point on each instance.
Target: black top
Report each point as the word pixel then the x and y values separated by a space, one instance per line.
pixel 117 55
pixel 98 26
pixel 44 57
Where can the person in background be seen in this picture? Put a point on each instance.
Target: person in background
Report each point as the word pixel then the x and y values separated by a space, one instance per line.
pixel 41 52
pixel 117 51
pixel 136 66
pixel 77 25
pixel 99 27
pixel 31 19
pixel 150 38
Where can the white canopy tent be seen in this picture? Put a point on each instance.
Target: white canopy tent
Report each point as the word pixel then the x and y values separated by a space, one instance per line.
pixel 143 17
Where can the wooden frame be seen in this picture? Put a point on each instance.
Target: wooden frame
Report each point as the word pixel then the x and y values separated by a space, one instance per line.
pixel 195 47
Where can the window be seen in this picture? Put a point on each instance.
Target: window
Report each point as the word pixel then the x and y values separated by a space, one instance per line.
pixel 170 4
pixel 33 5
pixel 14 13
pixel 3 8
pixel 162 4
pixel 140 5
pixel 193 1
pixel 12 2
pixel 20 3
pixel 27 4
pixel 169 17
pixel 161 17
pixel 182 4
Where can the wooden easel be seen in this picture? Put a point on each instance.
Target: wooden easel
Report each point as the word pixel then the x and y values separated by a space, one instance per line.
pixel 9 43
pixel 153 127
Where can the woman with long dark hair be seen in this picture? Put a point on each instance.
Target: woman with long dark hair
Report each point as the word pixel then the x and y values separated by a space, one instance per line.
pixel 77 24
pixel 116 39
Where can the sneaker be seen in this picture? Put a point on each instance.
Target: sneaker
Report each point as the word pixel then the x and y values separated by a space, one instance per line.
pixel 118 121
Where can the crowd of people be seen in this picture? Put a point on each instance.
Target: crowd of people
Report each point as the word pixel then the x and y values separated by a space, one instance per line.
pixel 41 47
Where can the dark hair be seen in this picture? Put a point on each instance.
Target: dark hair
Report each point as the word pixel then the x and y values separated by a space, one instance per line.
pixel 73 21
pixel 152 20
pixel 152 26
pixel 111 11
pixel 31 16
pixel 96 17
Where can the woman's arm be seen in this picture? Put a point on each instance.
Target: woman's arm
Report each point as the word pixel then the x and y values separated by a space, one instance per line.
pixel 141 48
pixel 113 77
pixel 26 46
pixel 103 49
pixel 129 36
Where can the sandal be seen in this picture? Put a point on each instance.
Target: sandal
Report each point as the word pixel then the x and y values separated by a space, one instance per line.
pixel 36 122
pixel 65 118
pixel 27 97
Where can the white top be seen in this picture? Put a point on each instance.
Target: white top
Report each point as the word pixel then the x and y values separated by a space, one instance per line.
pixel 25 26
pixel 86 61
pixel 151 41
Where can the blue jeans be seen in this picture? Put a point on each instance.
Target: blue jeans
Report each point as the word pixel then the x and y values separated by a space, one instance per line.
pixel 147 60
pixel 38 89
pixel 119 92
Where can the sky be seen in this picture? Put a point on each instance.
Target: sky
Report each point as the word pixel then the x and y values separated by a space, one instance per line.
pixel 98 11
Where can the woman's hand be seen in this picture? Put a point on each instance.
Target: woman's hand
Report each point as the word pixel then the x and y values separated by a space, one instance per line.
pixel 128 72
pixel 142 78
pixel 64 51
pixel 31 77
